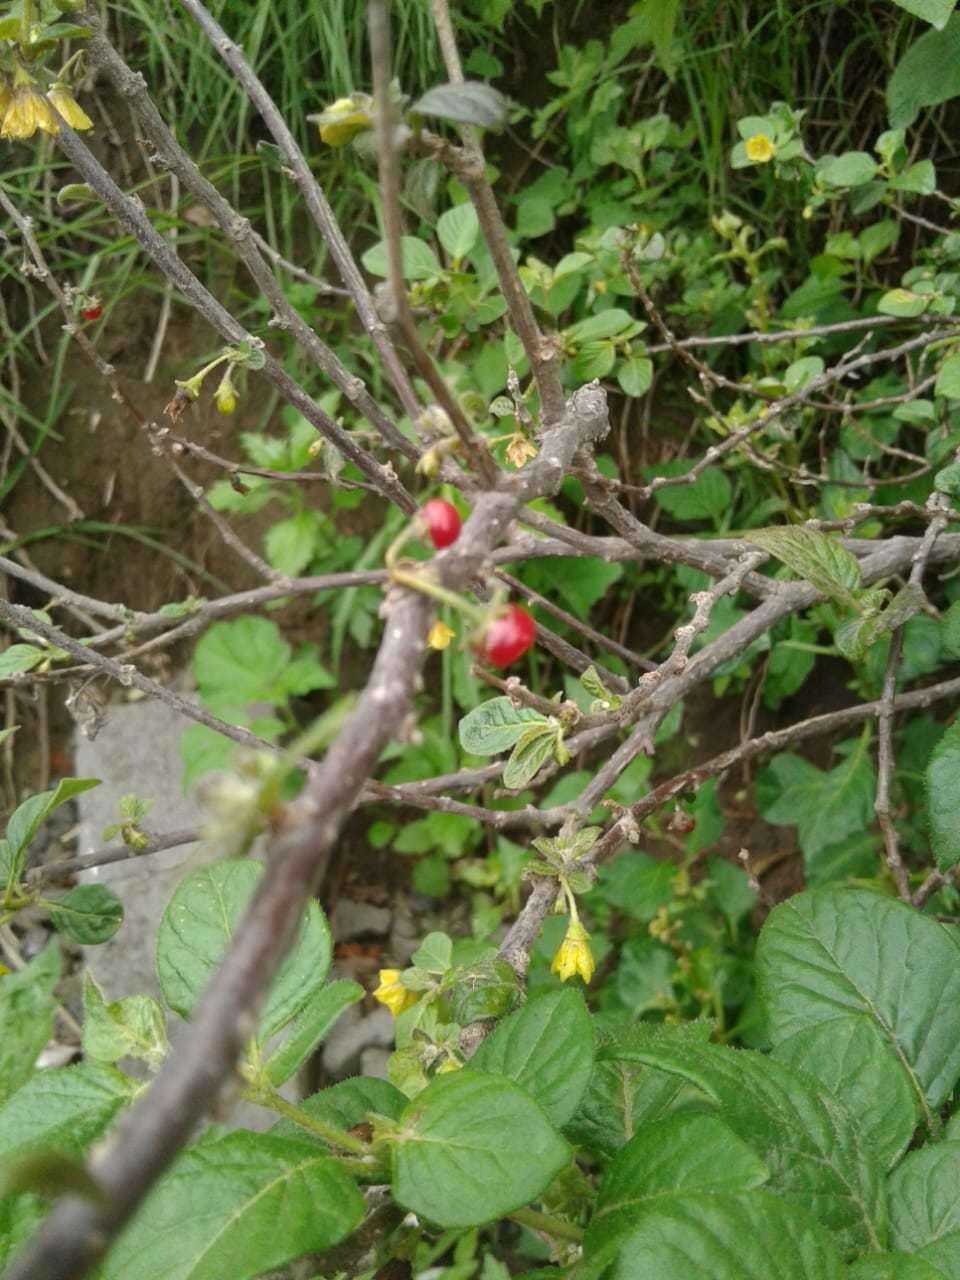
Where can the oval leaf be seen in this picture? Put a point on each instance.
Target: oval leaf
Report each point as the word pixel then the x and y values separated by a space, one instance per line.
pixel 547 1048
pixel 88 914
pixel 473 1147
pixel 943 798
pixel 471 102
pixel 834 952
pixel 198 925
pixel 237 1206
pixel 496 725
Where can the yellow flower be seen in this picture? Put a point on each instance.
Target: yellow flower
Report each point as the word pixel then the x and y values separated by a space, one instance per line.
pixel 26 112
pixel 391 993
pixel 440 635
pixel 344 119
pixel 451 1064
pixel 574 954
pixel 69 108
pixel 760 149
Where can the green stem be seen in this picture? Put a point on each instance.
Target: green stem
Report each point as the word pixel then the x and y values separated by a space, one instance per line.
pixel 555 1227
pixel 423 584
pixel 264 1096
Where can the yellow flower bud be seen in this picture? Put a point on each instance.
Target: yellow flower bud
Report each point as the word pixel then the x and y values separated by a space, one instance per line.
pixel 440 635
pixel 392 993
pixel 451 1064
pixel 69 108
pixel 344 119
pixel 760 149
pixel 574 954
pixel 226 401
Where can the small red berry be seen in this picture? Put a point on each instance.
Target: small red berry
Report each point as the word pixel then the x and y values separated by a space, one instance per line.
pixel 440 521
pixel 92 313
pixel 508 636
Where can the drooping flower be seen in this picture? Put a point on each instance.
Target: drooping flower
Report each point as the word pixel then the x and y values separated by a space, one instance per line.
pixel 69 107
pixel 760 149
pixel 344 119
pixel 392 993
pixel 574 954
pixel 26 112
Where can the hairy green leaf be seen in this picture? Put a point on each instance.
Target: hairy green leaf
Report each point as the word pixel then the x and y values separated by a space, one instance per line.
pixel 473 1147
pixel 808 1140
pixel 924 1207
pixel 62 1110
pixel 197 927
pixel 943 798
pixel 835 952
pixel 547 1048
pixel 496 725
pixel 237 1206
pixel 310 1026
pixel 819 559
pixel 89 914
pixel 26 1016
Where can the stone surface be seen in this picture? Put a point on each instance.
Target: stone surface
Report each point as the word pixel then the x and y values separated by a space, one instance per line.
pixel 354 1032
pixel 138 750
pixel 373 1062
pixel 352 919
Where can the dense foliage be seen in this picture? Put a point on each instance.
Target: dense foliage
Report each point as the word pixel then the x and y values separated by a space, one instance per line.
pixel 581 427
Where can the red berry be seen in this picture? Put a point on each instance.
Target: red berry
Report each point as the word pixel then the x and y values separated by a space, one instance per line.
pixel 92 313
pixel 508 636
pixel 440 521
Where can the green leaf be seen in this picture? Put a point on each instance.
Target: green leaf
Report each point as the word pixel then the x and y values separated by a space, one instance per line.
pixel 924 1208
pixel 580 583
pixel 347 1104
pixel 798 374
pixel 594 359
pixel 852 169
pixel 62 1110
pixel 837 952
pixel 679 1156
pixel 819 559
pixel 635 374
pixel 197 927
pixel 310 1026
pixel 850 1058
pixel 435 953
pixel 495 726
pixel 237 1206
pixel 26 819
pixel 824 807
pixel 903 302
pixel 458 230
pixel 948 378
pixel 89 914
pixel 19 1215
pixel 529 756
pixel 547 1048
pixel 623 1096
pixel 290 544
pixel 132 1027
pixel 725 1236
pixel 241 660
pixel 473 1147
pixel 943 798
pixel 605 324
pixel 707 497
pixel 26 1016
pixel 487 989
pixel 894 1266
pixel 470 102
pixel 19 658
pixel 919 178
pixel 936 12
pixel 927 74
pixel 808 1140
pixel 419 260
